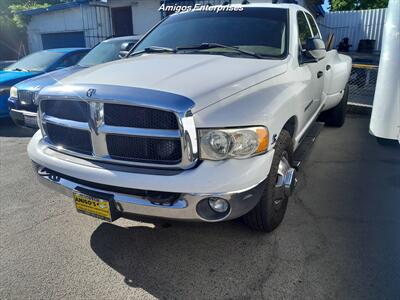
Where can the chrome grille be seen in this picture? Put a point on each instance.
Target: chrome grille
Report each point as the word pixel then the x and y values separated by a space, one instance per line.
pixel 70 139
pixel 26 97
pixel 65 109
pixel 141 117
pixel 136 129
pixel 153 150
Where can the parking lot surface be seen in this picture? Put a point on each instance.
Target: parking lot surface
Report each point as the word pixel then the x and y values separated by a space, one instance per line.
pixel 340 238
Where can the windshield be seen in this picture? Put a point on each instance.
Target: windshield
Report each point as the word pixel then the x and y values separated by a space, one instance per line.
pixel 259 30
pixel 36 62
pixel 103 52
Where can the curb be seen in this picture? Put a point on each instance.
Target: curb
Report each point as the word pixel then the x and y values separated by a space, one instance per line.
pixel 359 109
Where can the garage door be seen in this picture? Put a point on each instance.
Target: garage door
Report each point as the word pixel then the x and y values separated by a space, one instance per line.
pixel 63 40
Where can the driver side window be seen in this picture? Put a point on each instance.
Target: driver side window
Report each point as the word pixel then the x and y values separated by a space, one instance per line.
pixel 304 30
pixel 313 26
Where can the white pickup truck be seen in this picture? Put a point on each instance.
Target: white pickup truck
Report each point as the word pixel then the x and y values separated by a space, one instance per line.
pixel 200 122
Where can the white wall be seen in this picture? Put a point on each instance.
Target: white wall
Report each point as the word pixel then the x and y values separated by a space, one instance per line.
pixel 51 22
pixel 145 13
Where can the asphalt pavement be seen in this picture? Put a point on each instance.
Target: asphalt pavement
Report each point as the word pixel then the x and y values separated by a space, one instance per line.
pixel 340 238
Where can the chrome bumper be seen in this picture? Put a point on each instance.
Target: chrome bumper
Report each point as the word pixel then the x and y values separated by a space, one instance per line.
pixel 190 207
pixel 20 118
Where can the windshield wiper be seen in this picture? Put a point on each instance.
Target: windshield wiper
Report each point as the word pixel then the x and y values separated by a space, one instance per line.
pixel 216 45
pixel 154 49
pixel 20 70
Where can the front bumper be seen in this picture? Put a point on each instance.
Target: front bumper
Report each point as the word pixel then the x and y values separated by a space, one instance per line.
pixel 23 115
pixel 189 207
pixel 24 118
pixel 240 182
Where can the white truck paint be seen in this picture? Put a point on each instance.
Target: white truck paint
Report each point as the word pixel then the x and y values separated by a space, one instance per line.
pixel 281 96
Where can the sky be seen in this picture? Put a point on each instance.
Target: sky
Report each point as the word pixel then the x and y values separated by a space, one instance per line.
pixel 326 5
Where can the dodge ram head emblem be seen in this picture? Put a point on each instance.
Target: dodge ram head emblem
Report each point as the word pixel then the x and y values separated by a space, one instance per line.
pixel 90 92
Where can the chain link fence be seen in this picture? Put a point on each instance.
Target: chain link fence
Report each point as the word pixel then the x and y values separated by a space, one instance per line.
pixel 362 83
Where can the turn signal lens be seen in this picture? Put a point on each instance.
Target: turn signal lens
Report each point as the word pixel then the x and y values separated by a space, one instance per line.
pixel 263 139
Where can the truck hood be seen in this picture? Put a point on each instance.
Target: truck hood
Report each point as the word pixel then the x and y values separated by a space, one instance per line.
pixel 206 79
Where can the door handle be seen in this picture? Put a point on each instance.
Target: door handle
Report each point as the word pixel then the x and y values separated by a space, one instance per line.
pixel 320 74
pixel 328 67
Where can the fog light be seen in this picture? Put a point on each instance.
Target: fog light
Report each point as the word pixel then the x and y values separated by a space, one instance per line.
pixel 218 204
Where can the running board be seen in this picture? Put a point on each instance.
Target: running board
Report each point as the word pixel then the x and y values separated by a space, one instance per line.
pixel 305 145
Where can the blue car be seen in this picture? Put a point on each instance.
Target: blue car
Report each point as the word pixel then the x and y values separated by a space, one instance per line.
pixel 22 97
pixel 33 65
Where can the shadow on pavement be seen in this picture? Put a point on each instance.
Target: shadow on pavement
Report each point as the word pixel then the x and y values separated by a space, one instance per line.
pixel 188 260
pixel 9 129
pixel 339 237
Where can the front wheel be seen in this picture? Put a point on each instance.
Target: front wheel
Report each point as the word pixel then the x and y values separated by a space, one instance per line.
pixel 270 210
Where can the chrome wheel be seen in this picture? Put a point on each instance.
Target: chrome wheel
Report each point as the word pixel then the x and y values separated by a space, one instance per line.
pixel 285 180
pixel 269 212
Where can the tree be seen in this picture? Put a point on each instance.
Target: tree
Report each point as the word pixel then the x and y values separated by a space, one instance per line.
pixel 357 4
pixel 10 8
pixel 13 25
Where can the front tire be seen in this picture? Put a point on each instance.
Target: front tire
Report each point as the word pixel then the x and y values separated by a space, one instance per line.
pixel 271 208
pixel 336 116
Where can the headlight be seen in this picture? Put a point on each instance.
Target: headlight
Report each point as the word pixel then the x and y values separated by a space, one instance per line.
pixel 219 144
pixel 4 89
pixel 13 92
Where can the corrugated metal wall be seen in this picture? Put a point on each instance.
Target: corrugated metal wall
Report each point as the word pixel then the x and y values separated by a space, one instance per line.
pixel 356 25
pixel 96 20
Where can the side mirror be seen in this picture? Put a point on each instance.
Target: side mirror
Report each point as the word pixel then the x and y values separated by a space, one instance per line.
pixel 125 47
pixel 315 49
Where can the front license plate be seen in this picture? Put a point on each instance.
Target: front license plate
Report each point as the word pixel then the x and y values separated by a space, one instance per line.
pixel 95 207
pixel 30 121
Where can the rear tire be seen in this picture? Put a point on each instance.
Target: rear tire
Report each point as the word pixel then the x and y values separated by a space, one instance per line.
pixel 336 116
pixel 271 208
pixel 387 142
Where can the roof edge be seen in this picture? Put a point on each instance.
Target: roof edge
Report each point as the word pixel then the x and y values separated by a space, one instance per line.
pixel 56 7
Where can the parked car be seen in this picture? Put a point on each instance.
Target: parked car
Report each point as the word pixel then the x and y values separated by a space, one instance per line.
pixel 200 124
pixel 33 65
pixel 22 104
pixel 5 63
